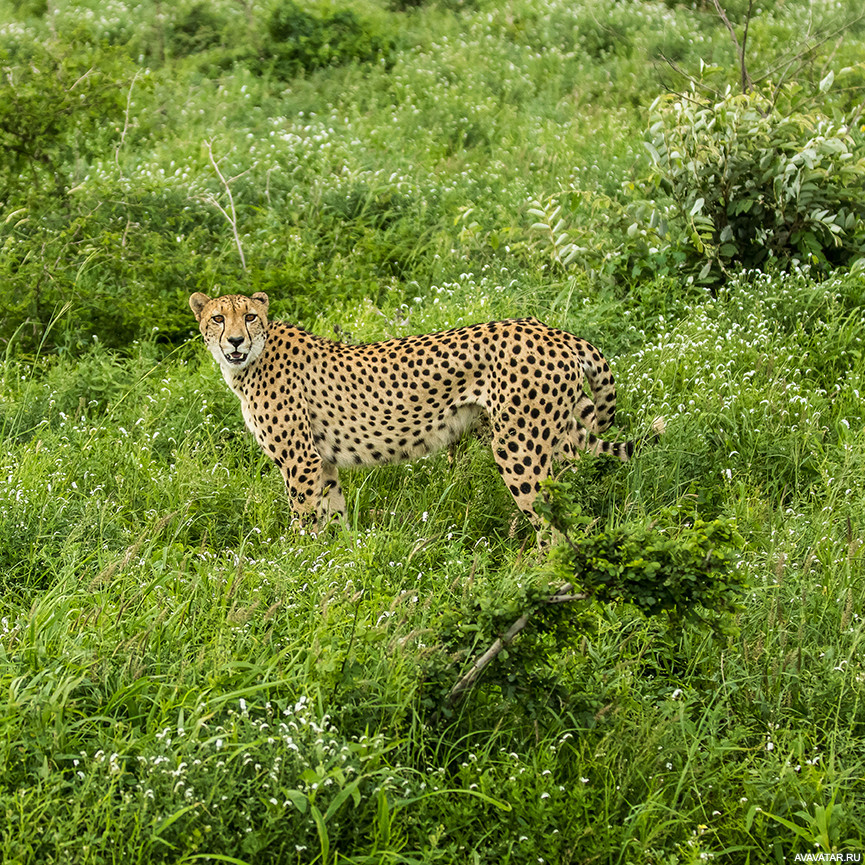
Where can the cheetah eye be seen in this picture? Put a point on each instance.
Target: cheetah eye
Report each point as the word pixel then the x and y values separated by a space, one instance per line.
pixel 251 316
pixel 219 319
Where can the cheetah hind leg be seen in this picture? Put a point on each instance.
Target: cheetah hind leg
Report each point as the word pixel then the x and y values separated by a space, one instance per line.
pixel 523 482
pixel 332 505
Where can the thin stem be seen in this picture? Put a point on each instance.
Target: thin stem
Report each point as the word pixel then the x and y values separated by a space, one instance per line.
pixel 232 216
pixel 125 125
pixel 740 49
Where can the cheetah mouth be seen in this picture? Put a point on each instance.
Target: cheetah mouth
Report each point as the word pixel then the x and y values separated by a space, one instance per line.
pixel 235 357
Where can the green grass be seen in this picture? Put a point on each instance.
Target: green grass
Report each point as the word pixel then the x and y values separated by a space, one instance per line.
pixel 186 678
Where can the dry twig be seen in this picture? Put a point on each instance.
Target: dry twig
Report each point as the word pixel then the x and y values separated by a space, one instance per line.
pixel 562 596
pixel 230 214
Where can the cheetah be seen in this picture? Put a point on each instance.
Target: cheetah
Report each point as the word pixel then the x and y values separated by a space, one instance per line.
pixel 315 405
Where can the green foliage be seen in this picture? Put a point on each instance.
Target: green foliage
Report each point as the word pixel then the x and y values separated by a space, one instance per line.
pixel 675 563
pixel 197 28
pixel 276 775
pixel 753 181
pixel 149 577
pixel 745 182
pixel 298 41
pixel 58 104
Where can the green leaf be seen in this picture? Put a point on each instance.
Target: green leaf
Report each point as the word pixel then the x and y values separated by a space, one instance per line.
pixel 297 799
pixel 350 790
pixel 321 828
pixel 653 153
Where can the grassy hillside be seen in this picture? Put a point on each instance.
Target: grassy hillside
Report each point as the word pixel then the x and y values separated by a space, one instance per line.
pixel 185 678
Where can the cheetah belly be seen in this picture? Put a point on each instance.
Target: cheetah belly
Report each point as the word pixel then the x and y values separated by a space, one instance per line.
pixel 392 437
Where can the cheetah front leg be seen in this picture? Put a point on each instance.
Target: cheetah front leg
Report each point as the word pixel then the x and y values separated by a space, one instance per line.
pixel 303 474
pixel 314 491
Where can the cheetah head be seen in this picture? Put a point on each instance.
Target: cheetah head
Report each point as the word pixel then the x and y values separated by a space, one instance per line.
pixel 234 327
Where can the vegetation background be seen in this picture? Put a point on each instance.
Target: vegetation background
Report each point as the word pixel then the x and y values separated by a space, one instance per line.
pixel 184 678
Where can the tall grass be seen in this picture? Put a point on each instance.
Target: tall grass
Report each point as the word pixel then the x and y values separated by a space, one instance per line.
pixel 155 604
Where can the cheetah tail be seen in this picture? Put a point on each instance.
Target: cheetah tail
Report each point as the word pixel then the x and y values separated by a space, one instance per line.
pixel 625 450
pixel 603 386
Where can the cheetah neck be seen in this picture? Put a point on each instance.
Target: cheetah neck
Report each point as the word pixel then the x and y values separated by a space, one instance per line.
pixel 235 378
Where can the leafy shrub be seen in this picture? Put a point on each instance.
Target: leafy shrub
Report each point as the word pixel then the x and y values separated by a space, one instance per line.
pixel 196 29
pixel 114 256
pixel 686 567
pixel 565 231
pixel 56 103
pixel 27 8
pixel 299 42
pixel 679 564
pixel 751 181
pixel 739 184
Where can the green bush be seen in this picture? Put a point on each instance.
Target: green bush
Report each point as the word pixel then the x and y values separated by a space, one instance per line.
pixel 751 181
pixel 196 29
pixel 299 42
pixel 122 260
pixel 743 183
pixel 57 103
pixel 687 566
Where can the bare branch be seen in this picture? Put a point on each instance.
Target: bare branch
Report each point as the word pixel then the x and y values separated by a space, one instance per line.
pixel 210 199
pixel 696 82
pixel 81 78
pixel 125 124
pixel 746 79
pixel 232 216
pixel 720 10
pixel 561 596
pixel 740 49
pixel 480 663
pixel 795 57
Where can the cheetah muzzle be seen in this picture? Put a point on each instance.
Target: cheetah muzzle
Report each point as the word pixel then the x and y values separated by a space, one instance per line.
pixel 316 406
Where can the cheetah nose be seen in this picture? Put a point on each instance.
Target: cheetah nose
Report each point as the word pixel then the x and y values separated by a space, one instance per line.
pixel 235 340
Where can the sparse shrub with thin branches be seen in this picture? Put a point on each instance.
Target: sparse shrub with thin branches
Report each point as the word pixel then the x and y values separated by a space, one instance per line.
pixel 751 182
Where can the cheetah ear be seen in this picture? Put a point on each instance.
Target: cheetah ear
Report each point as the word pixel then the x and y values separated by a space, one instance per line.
pixel 262 298
pixel 197 302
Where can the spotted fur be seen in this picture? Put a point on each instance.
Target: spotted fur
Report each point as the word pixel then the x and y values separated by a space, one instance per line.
pixel 315 405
